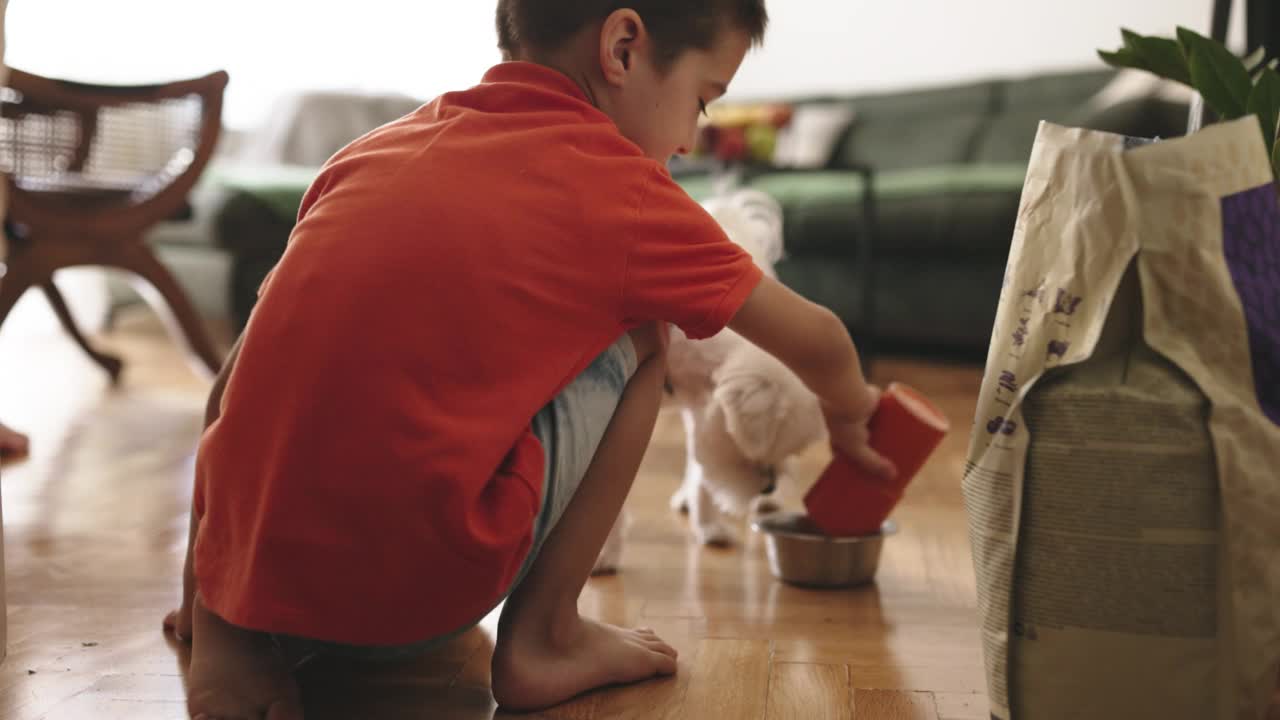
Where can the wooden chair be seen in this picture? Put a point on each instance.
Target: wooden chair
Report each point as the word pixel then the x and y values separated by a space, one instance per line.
pixel 90 169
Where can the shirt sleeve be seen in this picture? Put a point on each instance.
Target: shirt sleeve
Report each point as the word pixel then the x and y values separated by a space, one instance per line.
pixel 680 267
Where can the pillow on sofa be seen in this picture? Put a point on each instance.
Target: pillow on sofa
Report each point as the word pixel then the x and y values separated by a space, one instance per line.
pixel 810 140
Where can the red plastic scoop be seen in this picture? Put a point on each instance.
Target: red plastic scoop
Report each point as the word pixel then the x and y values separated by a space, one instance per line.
pixel 906 428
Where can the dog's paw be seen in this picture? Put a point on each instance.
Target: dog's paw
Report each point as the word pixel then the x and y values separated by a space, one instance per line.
pixel 713 534
pixel 680 500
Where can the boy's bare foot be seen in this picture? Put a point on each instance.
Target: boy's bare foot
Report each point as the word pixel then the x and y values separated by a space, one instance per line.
pixel 237 674
pixel 179 622
pixel 535 670
pixel 12 442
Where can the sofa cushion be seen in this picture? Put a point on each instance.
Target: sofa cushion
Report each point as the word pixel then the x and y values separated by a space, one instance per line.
pixel 279 187
pixel 832 281
pixel 917 303
pixel 194 229
pixel 948 211
pixel 1022 104
pixel 938 303
pixel 916 129
pixel 955 209
pixel 950 179
pixel 700 186
pixel 822 211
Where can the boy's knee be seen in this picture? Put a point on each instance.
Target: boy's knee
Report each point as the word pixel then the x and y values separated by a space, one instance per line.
pixel 650 343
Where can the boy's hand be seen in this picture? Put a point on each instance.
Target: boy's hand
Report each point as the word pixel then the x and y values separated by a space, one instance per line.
pixel 850 436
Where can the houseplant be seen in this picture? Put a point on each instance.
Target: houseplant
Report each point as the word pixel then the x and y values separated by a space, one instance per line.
pixel 1231 87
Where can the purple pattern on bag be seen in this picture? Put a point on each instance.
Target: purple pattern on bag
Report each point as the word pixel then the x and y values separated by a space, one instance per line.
pixel 1251 244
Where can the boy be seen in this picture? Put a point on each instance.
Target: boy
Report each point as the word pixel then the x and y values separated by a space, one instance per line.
pixel 446 389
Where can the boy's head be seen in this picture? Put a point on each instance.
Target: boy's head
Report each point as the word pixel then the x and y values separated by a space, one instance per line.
pixel 651 65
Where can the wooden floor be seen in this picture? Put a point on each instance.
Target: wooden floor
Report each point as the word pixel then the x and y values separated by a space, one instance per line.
pixel 95 525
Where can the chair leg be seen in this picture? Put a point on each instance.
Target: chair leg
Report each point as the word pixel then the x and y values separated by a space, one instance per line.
pixel 167 298
pixel 110 363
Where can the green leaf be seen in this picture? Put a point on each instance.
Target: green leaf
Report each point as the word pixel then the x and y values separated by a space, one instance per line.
pixel 1162 56
pixel 1187 38
pixel 1265 103
pixel 1122 58
pixel 1219 75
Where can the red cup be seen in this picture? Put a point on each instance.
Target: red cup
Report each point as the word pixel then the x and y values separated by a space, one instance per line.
pixel 847 501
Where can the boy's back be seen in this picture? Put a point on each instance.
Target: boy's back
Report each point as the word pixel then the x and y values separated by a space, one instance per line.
pixel 450 273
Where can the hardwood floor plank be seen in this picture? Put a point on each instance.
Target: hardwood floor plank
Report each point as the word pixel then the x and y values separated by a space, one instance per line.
pixel 98 707
pixel 403 701
pixel 125 697
pixel 919 645
pixel 730 680
pixel 967 679
pixel 893 705
pixel 34 695
pixel 660 699
pixel 96 523
pixel 962 706
pixel 800 691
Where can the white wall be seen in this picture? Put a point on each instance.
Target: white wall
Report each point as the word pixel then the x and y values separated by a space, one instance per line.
pixel 838 45
pixel 424 47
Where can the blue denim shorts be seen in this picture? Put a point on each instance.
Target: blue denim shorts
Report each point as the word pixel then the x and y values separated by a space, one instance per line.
pixel 570 428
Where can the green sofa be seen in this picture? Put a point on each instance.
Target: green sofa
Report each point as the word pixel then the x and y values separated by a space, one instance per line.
pixel 947 172
pixel 919 266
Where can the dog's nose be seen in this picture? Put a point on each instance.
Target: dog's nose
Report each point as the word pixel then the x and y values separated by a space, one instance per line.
pixel 772 485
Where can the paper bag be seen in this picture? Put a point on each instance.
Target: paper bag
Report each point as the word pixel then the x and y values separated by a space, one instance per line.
pixel 1123 476
pixel 4 603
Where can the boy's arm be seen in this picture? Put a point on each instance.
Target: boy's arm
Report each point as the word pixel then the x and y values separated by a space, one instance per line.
pixel 811 341
pixel 180 620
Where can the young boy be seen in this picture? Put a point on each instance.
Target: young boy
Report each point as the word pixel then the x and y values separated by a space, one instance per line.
pixel 446 389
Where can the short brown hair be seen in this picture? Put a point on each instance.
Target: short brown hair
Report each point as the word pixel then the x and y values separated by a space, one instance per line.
pixel 676 25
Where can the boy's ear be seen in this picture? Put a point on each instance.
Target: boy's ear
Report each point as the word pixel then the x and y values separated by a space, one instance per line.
pixel 618 39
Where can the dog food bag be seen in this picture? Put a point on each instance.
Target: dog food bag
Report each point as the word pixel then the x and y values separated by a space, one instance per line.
pixel 1123 475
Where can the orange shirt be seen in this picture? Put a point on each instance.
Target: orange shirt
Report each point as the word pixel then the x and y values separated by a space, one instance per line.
pixel 372 478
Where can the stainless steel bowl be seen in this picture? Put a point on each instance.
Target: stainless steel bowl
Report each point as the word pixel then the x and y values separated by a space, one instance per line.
pixel 801 554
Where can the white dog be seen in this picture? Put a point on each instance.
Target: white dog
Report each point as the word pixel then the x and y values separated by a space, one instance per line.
pixel 746 416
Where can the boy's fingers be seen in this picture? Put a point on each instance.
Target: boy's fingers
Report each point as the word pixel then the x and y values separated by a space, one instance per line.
pixel 875 392
pixel 173 623
pixel 876 463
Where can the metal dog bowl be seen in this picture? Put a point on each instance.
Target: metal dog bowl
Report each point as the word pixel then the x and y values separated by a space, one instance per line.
pixel 801 554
